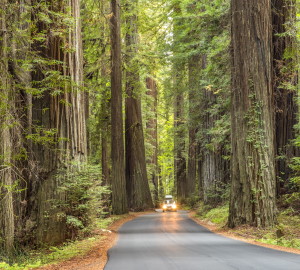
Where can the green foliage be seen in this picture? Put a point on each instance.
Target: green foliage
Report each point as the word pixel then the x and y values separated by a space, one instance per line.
pixel 218 215
pixel 289 230
pixel 292 243
pixel 35 259
pixel 84 198
pixel 192 201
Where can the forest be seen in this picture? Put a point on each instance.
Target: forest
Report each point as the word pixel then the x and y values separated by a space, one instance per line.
pixel 107 106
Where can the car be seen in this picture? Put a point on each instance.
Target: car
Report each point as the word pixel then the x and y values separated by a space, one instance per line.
pixel 169 204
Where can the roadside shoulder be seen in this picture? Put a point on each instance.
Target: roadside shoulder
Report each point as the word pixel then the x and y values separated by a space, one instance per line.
pixel 224 231
pixel 96 257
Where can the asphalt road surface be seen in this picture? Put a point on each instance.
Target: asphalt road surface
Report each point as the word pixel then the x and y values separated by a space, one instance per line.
pixel 173 241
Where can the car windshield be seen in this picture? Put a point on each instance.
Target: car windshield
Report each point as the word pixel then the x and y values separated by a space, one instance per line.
pixel 169 201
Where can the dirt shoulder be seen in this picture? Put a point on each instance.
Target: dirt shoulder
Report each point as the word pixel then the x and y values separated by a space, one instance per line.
pixel 96 258
pixel 238 234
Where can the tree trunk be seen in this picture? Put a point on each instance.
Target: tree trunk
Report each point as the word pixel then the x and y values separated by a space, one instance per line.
pixel 61 112
pixel 214 166
pixel 6 144
pixel 194 75
pixel 179 127
pixel 285 78
pixel 253 166
pixel 179 145
pixel 119 199
pixel 152 129
pixel 138 191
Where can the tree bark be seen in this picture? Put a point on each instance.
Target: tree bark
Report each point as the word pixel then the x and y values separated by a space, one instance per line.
pixel 194 75
pixel 119 198
pixel 61 111
pixel 253 166
pixel 285 78
pixel 179 145
pixel 179 127
pixel 6 138
pixel 152 129
pixel 213 166
pixel 138 191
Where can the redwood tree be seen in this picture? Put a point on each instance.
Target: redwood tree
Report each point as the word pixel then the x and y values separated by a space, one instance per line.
pixel 7 221
pixel 138 191
pixel 253 165
pixel 178 91
pixel 119 199
pixel 152 130
pixel 58 113
pixel 285 80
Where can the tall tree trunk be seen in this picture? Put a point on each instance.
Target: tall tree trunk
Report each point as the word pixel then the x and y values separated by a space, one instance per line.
pixel 105 130
pixel 179 127
pixel 138 191
pixel 179 145
pixel 152 129
pixel 61 111
pixel 194 76
pixel 6 144
pixel 253 166
pixel 119 198
pixel 214 166
pixel 105 154
pixel 285 77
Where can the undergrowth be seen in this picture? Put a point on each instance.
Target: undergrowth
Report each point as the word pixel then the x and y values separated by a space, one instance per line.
pixel 218 215
pixel 37 258
pixel 286 233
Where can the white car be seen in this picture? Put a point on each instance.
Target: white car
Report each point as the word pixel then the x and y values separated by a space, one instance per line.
pixel 169 205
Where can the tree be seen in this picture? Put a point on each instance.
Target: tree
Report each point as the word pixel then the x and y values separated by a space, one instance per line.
pixel 194 76
pixel 152 130
pixel 138 191
pixel 285 81
pixel 58 116
pixel 253 166
pixel 6 137
pixel 119 197
pixel 178 89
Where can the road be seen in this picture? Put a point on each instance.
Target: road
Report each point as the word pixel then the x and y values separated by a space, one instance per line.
pixel 162 241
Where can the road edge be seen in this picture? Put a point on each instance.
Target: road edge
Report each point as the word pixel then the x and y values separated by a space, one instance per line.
pixel 230 234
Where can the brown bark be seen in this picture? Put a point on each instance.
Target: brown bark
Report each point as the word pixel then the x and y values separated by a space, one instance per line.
pixel 152 129
pixel 105 154
pixel 214 168
pixel 65 113
pixel 138 191
pixel 119 199
pixel 179 127
pixel 105 133
pixel 6 138
pixel 253 166
pixel 285 77
pixel 179 145
pixel 194 74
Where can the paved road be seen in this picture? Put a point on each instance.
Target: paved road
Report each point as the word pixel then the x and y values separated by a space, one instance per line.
pixel 162 241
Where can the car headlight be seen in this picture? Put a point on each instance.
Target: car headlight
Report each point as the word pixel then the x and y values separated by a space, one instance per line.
pixel 174 206
pixel 164 206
